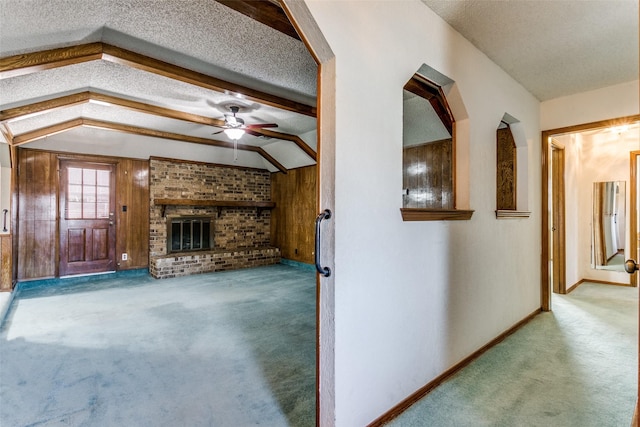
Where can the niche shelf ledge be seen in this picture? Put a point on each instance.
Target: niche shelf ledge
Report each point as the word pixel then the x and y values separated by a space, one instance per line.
pixel 507 214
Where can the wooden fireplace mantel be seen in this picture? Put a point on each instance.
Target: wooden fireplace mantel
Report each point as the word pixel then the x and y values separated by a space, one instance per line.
pixel 219 204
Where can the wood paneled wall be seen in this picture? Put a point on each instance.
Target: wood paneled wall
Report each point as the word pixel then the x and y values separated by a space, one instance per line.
pixel 37 231
pixel 427 173
pixel 6 276
pixel 37 213
pixel 293 218
pixel 132 238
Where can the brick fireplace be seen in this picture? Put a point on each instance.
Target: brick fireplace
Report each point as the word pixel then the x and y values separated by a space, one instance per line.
pixel 233 202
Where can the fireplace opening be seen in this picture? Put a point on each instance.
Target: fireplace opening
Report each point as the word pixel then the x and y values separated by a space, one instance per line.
pixel 189 233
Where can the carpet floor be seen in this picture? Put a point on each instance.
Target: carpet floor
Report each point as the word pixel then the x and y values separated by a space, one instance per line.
pixel 574 366
pixel 222 349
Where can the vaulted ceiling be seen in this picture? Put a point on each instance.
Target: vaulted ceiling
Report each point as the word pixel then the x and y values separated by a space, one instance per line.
pixel 154 78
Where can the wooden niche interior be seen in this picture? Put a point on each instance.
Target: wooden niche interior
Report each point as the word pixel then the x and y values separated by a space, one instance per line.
pixel 506 168
pixel 507 173
pixel 428 157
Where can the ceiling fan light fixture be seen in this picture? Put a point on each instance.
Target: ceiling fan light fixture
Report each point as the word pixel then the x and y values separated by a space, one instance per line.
pixel 234 133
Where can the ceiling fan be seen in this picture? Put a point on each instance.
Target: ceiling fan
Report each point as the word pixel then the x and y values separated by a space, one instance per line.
pixel 234 127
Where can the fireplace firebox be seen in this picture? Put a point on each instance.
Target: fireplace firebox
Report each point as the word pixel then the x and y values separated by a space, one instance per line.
pixel 189 233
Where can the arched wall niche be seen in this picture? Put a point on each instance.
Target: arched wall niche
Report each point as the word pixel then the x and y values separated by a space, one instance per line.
pixel 512 129
pixel 435 149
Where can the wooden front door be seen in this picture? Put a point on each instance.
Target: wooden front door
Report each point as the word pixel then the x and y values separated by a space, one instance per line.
pixel 558 276
pixel 87 207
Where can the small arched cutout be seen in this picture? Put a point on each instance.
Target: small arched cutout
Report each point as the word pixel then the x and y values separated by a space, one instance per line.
pixel 512 159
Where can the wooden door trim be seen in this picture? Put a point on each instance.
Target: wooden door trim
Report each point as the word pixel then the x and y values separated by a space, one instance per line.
pixel 633 212
pixel 311 35
pixel 561 286
pixel 545 141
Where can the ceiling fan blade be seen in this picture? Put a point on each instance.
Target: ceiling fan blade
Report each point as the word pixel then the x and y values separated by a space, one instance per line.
pixel 248 131
pixel 262 125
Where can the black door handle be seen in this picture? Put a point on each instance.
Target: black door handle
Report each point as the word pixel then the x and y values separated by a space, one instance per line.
pixel 325 271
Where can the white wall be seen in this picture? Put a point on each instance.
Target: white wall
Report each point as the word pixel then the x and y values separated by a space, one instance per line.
pixel 414 298
pixel 601 104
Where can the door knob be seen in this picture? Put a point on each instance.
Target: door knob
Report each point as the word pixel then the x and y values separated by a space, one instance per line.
pixel 630 266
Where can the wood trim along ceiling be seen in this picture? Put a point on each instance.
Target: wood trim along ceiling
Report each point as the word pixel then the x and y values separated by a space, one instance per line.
pixel 28 63
pixel 79 98
pixel 61 127
pixel 266 12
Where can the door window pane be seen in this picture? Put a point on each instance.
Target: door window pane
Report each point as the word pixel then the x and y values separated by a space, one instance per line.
pixel 75 175
pixel 88 193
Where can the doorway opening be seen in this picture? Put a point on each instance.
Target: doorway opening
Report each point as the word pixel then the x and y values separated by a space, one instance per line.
pixel 587 148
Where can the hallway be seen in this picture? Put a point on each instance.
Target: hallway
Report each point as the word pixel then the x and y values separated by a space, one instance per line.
pixel 575 366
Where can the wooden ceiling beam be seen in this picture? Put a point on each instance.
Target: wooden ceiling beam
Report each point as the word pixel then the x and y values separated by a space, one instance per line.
pixel 143 107
pixel 432 93
pixel 288 137
pixel 110 100
pixel 30 110
pixel 27 63
pixel 37 61
pixel 136 130
pixel 71 124
pixel 270 159
pixel 6 132
pixel 264 11
pixel 46 131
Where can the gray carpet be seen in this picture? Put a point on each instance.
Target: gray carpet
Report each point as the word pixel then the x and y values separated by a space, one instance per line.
pixel 575 366
pixel 222 349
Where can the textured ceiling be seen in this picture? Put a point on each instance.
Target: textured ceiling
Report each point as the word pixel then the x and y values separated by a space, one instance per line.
pixel 199 35
pixel 553 48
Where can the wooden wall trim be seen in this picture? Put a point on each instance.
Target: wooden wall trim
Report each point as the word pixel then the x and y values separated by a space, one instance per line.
pixel 426 389
pixel 601 282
